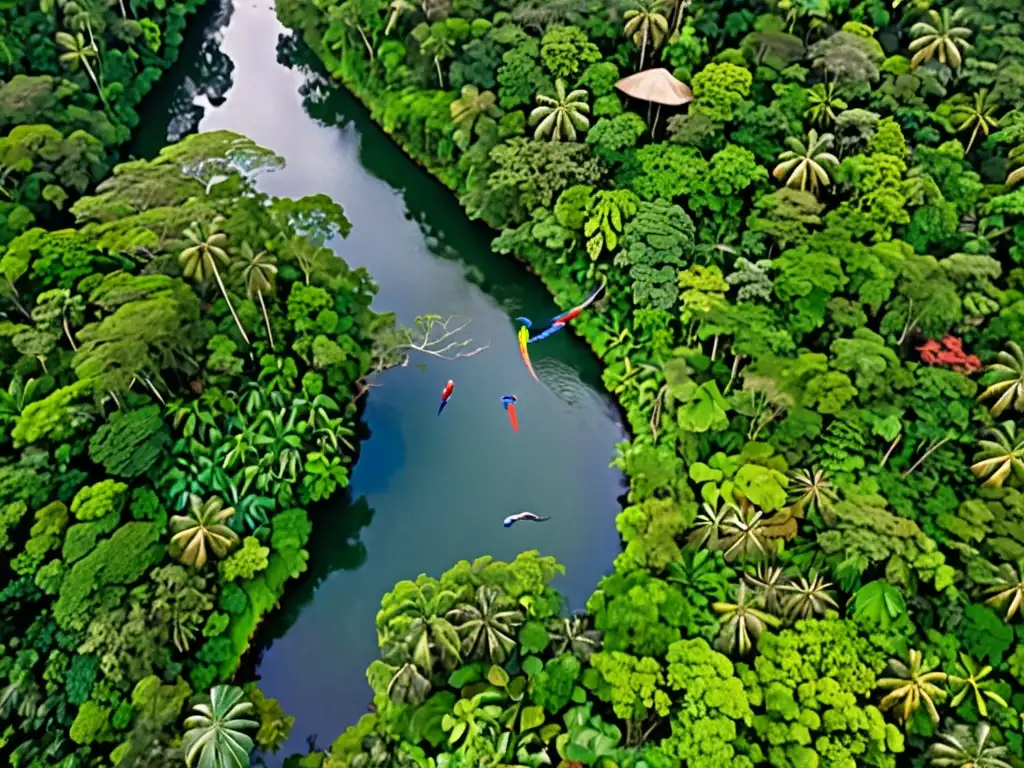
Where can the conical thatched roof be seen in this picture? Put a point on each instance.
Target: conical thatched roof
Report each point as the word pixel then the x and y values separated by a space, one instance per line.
pixel 656 85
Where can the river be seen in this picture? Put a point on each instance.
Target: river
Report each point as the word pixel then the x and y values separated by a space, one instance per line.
pixel 426 491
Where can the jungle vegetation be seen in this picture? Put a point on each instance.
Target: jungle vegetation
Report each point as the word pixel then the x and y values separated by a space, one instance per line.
pixel 814 320
pixel 178 389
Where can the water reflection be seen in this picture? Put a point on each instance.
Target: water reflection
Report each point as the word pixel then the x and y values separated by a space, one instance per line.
pixel 199 80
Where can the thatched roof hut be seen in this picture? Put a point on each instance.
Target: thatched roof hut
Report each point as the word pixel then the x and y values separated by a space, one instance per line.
pixel 656 86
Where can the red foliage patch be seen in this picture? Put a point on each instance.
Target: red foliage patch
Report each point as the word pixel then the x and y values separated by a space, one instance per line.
pixel 950 353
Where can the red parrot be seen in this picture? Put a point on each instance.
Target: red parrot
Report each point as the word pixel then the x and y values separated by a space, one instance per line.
pixel 446 395
pixel 509 401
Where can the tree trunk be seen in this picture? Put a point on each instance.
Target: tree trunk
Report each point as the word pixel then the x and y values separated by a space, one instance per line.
pixel 974 135
pixel 643 50
pixel 16 299
pixel 67 332
pixel 440 78
pixel 266 319
pixel 654 125
pixel 369 48
pixel 224 292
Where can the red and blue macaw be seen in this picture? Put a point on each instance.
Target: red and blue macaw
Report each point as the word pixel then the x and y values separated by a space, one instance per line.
pixel 509 401
pixel 558 323
pixel 446 395
pixel 524 339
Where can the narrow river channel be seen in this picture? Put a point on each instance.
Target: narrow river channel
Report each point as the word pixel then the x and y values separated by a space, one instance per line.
pixel 426 491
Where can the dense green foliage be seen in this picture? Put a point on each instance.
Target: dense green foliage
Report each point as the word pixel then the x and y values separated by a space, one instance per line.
pixel 815 281
pixel 160 450
pixel 72 73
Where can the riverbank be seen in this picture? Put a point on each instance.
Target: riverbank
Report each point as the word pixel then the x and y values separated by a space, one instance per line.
pixel 423 494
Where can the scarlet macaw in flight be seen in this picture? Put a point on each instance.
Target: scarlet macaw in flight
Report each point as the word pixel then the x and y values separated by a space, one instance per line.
pixel 446 395
pixel 509 401
pixel 559 322
pixel 524 339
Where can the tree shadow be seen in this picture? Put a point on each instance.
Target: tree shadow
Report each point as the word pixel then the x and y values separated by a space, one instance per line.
pixel 174 108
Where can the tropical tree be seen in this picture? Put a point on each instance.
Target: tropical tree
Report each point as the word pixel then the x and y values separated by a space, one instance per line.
pixel 396 10
pixel 560 116
pixel 647 24
pixel 488 625
pixel 807 598
pixel 963 748
pixel 216 733
pixel 416 625
pixel 199 261
pixel 259 271
pixel 1015 157
pixel 804 164
pixel 203 528
pixel 1007 586
pixel 1000 455
pixel 976 116
pixel 435 41
pixel 742 622
pixel 744 532
pixel 1007 377
pixel 768 582
pixel 811 490
pixel 940 38
pixel 77 53
pixel 914 684
pixel 574 635
pixel 973 681
pixel 823 101
pixel 474 111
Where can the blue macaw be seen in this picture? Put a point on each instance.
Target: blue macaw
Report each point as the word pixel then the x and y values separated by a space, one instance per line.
pixel 558 323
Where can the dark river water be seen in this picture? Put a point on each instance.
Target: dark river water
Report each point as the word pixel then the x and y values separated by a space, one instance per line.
pixel 426 491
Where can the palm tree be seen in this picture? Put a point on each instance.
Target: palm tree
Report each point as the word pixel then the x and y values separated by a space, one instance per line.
pixel 417 626
pixel 77 54
pixel 1008 585
pixel 215 735
pixel 810 489
pixel 434 41
pixel 742 622
pixel 1000 456
pixel 914 684
pixel 1015 157
pixel 962 748
pixel 824 101
pixel 647 23
pixel 200 259
pixel 940 38
pixel 807 598
pixel 560 116
pixel 488 626
pixel 258 271
pixel 744 534
pixel 768 582
pixel 474 110
pixel 574 635
pixel 973 680
pixel 804 163
pixel 709 527
pixel 1007 375
pixel 977 116
pixel 202 528
pixel 397 9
